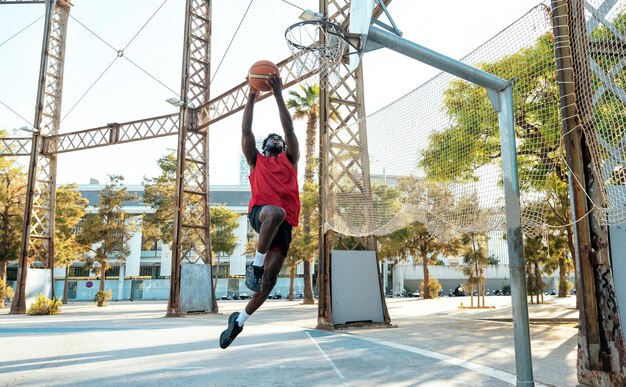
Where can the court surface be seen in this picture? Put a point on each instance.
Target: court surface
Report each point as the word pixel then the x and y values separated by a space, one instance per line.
pixel 433 343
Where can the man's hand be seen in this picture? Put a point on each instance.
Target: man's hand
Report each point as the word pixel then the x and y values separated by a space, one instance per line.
pixel 275 83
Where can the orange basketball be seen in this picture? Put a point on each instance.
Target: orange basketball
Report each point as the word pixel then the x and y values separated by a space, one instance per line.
pixel 259 73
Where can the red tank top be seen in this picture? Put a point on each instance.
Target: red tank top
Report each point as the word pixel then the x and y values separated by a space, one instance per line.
pixel 275 181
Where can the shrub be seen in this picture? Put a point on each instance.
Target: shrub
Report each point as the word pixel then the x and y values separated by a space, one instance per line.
pixel 565 288
pixel 44 305
pixel 3 287
pixel 102 297
pixel 433 285
pixel 9 293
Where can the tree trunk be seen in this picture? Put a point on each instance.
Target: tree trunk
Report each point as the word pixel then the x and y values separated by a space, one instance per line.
pixel 562 278
pixel 539 283
pixel 67 274
pixel 484 289
pixel 308 284
pixel 292 277
pixel 426 277
pixel 471 290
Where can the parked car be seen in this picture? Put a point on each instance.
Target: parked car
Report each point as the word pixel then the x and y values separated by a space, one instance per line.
pixel 415 293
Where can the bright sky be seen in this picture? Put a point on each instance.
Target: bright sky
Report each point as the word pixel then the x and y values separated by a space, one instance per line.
pixel 125 92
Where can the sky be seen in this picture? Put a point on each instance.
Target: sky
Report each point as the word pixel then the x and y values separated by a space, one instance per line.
pixel 124 57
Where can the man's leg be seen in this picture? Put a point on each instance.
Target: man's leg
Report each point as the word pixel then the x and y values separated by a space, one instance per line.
pixel 270 218
pixel 273 263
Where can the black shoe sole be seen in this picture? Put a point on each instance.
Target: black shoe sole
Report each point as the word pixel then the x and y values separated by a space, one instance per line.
pixel 225 339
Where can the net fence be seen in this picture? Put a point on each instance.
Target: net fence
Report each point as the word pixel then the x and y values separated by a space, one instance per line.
pixel 434 155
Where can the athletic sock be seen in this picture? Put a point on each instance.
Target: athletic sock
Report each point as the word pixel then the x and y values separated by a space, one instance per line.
pixel 241 319
pixel 258 259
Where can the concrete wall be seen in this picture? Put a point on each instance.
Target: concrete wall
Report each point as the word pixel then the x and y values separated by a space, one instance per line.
pixel 159 289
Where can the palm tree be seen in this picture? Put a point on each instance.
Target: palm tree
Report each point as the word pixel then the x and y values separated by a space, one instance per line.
pixel 474 263
pixel 306 105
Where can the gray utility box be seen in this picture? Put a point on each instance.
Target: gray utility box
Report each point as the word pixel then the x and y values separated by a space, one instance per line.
pixel 39 282
pixel 356 295
pixel 196 289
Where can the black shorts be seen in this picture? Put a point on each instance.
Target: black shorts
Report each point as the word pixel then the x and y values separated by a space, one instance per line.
pixel 282 239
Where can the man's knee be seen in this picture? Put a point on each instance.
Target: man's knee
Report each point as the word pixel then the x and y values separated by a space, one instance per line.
pixel 274 214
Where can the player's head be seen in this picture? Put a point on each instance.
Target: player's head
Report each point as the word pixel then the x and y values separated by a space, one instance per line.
pixel 274 143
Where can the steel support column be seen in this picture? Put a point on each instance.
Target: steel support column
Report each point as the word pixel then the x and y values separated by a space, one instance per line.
pixel 343 100
pixel 192 238
pixel 38 231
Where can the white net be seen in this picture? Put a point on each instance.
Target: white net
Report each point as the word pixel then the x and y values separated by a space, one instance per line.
pixel 434 155
pixel 317 47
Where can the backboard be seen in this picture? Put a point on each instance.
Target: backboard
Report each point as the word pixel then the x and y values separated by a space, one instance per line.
pixel 360 20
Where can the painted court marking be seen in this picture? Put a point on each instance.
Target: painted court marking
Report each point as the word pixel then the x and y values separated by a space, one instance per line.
pixel 485 370
pixel 337 371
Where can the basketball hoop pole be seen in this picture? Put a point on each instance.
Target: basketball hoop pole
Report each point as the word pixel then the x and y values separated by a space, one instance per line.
pixel 501 96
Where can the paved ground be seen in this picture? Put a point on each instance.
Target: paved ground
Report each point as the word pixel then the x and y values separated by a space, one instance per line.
pixel 434 343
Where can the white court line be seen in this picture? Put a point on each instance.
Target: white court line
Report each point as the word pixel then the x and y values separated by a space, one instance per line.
pixel 337 371
pixel 491 372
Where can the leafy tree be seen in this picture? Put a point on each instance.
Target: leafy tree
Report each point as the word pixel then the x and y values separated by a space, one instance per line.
pixel 472 141
pixel 159 194
pixel 224 222
pixel 12 196
pixel 70 209
pixel 108 231
pixel 431 237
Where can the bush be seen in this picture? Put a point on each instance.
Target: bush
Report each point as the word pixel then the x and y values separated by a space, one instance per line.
pixel 102 297
pixel 433 286
pixel 43 305
pixel 565 288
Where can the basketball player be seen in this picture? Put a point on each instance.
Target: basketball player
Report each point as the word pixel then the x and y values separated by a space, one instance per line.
pixel 274 206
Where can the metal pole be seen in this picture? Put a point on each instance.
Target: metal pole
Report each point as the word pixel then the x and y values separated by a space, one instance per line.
pixel 18 305
pixel 435 59
pixel 521 332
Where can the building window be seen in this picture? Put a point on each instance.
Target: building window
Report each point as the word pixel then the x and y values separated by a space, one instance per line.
pixel 148 271
pixel 79 272
pixel 113 272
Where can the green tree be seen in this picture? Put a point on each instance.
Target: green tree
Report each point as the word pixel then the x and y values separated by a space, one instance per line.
pixel 12 196
pixel 108 231
pixel 70 209
pixel 472 141
pixel 431 237
pixel 159 194
pixel 306 106
pixel 224 222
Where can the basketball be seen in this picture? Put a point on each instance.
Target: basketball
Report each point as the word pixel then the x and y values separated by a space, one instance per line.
pixel 259 72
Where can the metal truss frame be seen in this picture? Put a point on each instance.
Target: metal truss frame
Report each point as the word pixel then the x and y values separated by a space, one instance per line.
pixel 344 101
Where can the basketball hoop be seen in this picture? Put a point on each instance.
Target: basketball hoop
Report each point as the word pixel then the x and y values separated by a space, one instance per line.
pixel 317 47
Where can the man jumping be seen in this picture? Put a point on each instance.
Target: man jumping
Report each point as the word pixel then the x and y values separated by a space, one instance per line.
pixel 274 206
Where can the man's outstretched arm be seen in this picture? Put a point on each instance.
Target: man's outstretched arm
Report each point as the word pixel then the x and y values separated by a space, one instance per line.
pixel 293 148
pixel 248 144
